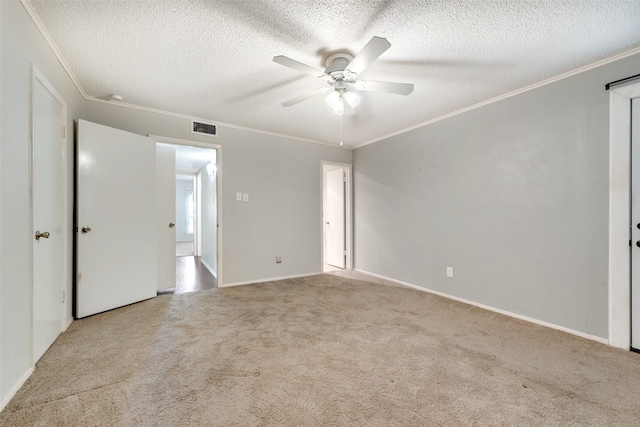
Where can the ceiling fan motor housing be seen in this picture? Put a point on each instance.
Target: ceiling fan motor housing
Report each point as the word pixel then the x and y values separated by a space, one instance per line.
pixel 336 64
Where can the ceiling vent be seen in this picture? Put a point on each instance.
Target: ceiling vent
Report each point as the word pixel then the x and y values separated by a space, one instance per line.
pixel 204 128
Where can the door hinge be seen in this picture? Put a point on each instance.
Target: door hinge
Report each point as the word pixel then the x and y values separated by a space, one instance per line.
pixel 63 296
pixel 345 253
pixel 64 131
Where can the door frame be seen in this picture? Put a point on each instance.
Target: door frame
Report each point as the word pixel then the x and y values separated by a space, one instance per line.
pixel 38 78
pixel 348 212
pixel 619 214
pixel 219 210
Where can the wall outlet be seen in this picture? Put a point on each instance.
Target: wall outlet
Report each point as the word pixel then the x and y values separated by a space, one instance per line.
pixel 449 271
pixel 245 197
pixel 238 197
pixel 278 259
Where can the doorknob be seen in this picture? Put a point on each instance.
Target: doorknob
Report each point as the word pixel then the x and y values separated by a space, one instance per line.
pixel 171 225
pixel 638 243
pixel 86 229
pixel 39 235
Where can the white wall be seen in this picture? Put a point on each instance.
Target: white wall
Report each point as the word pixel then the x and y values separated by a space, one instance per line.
pixel 209 220
pixel 512 195
pixel 182 184
pixel 21 46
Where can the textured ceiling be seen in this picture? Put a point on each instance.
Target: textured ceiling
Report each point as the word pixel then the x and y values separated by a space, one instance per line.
pixel 213 59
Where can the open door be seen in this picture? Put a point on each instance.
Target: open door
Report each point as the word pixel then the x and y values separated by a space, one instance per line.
pixel 166 215
pixel 116 218
pixel 335 218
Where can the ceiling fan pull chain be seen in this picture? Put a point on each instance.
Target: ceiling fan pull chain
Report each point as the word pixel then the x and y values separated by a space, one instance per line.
pixel 341 129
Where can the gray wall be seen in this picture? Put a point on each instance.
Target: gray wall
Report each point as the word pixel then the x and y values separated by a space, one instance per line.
pixel 282 177
pixel 181 209
pixel 22 45
pixel 512 195
pixel 209 214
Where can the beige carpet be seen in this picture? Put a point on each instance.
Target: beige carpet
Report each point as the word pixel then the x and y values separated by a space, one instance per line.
pixel 323 351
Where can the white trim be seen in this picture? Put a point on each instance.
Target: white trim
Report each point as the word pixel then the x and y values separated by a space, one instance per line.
pixel 211 270
pixel 217 123
pixel 619 210
pixel 507 95
pixel 56 51
pixel 272 279
pixel 219 201
pixel 493 309
pixel 36 20
pixel 15 388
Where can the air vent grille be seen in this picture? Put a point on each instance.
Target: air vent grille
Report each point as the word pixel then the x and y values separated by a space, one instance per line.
pixel 204 128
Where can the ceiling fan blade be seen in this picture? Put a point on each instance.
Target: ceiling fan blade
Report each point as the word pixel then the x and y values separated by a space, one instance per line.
pixel 298 66
pixel 369 53
pixel 387 87
pixel 305 96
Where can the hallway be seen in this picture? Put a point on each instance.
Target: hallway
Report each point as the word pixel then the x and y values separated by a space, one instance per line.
pixel 191 274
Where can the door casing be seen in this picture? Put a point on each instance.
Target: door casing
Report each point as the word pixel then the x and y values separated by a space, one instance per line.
pixel 219 177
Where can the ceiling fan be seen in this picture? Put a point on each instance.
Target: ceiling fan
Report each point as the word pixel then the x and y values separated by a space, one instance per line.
pixel 341 76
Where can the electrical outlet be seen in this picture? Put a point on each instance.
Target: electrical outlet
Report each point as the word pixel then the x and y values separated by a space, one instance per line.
pixel 238 197
pixel 449 271
pixel 245 197
pixel 278 259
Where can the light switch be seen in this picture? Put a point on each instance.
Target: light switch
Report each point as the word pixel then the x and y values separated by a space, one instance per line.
pixel 238 197
pixel 245 198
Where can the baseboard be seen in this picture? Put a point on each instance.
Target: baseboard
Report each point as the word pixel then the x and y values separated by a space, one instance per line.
pixel 15 389
pixel 272 279
pixel 495 310
pixel 211 270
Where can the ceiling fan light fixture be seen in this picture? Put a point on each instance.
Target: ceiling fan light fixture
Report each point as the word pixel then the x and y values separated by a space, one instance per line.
pixel 352 98
pixel 332 99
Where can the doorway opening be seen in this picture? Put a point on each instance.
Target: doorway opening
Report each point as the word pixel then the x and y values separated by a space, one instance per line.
pixel 195 184
pixel 336 218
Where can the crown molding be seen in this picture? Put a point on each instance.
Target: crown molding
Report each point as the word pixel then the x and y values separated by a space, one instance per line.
pixel 65 65
pixel 508 95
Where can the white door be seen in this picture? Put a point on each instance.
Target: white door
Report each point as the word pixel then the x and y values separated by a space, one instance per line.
pixel 49 204
pixel 116 219
pixel 166 215
pixel 335 218
pixel 635 223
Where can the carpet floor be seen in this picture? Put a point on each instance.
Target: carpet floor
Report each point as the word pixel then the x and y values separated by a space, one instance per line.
pixel 323 350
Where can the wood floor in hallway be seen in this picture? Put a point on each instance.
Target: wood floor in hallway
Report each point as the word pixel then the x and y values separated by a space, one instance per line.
pixel 191 274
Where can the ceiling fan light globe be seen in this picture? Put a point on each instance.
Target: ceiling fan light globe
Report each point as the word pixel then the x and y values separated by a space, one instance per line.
pixel 353 99
pixel 339 108
pixel 332 99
